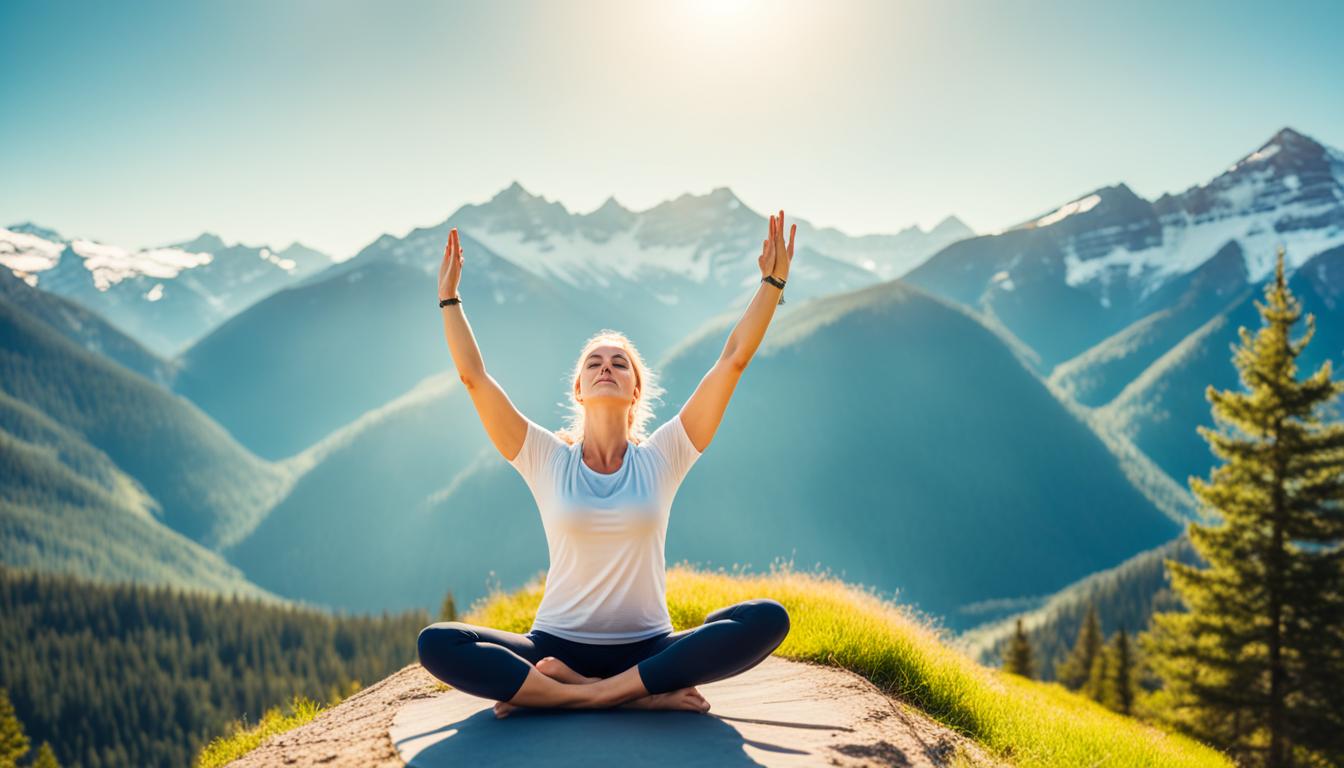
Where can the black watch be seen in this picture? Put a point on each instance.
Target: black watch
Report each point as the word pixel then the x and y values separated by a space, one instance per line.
pixel 775 281
pixel 445 302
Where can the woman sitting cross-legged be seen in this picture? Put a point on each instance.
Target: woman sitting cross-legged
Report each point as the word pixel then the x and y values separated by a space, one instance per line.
pixel 602 636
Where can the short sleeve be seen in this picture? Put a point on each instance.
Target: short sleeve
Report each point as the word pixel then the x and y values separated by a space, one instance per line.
pixel 540 445
pixel 674 445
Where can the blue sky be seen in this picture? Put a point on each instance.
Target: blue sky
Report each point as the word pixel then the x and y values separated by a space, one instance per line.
pixel 332 122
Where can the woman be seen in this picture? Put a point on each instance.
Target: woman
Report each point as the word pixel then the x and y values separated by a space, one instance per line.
pixel 602 636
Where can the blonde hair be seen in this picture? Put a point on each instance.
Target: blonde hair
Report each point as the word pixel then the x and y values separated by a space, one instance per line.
pixel 645 378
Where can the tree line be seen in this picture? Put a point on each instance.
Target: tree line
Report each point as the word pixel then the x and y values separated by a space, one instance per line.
pixel 131 674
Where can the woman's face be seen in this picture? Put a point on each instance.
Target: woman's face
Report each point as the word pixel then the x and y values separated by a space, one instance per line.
pixel 607 377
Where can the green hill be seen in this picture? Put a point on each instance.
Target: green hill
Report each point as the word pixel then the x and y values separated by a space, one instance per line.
pixel 203 484
pixel 65 507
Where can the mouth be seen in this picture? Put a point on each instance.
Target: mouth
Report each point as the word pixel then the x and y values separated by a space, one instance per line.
pixel 599 381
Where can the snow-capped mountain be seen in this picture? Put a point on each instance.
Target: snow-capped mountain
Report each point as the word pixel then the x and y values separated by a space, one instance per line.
pixel 693 247
pixel 1070 277
pixel 166 296
pixel 1290 191
pixel 538 279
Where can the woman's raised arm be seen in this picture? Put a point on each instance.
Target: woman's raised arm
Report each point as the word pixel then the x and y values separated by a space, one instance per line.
pixel 505 425
pixel 701 414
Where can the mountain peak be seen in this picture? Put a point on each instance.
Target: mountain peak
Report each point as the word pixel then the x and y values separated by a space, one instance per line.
pixel 514 191
pixel 1287 148
pixel 206 241
pixel 610 204
pixel 723 195
pixel 951 226
pixel 1287 135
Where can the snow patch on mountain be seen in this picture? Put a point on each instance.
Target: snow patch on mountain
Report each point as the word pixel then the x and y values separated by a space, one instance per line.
pixel 1082 205
pixel 1186 246
pixel 110 264
pixel 577 260
pixel 26 254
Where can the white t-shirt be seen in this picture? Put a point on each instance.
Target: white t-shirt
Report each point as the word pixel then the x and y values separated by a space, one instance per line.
pixel 607 582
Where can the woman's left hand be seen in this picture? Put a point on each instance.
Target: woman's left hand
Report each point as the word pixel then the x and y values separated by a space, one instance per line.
pixel 775 255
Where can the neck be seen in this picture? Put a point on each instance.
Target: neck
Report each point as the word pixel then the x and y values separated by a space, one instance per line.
pixel 605 435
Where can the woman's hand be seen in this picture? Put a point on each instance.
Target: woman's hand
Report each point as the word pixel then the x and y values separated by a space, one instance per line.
pixel 775 255
pixel 450 271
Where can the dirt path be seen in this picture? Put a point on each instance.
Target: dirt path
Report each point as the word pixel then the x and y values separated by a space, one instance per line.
pixel 780 712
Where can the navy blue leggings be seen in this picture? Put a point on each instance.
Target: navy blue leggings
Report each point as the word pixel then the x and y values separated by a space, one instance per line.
pixel 493 664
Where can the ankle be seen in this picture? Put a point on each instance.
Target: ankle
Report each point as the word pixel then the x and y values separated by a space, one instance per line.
pixel 610 692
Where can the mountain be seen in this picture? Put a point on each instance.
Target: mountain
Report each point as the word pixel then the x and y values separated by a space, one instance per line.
pixel 65 504
pixel 538 281
pixel 1159 410
pixel 1096 376
pixel 890 467
pixel 200 483
pixel 66 507
pixel 85 328
pixel 165 297
pixel 1078 275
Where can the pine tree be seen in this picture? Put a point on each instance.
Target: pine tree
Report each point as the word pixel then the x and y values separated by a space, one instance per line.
pixel 1073 671
pixel 1120 676
pixel 13 741
pixel 1254 664
pixel 448 611
pixel 1095 687
pixel 46 758
pixel 1018 660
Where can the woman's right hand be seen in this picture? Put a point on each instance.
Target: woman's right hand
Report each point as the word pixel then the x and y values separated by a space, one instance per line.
pixel 450 271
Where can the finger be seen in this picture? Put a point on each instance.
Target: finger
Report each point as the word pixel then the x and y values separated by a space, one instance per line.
pixel 793 229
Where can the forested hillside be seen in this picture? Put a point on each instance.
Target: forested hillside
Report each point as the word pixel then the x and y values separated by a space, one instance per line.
pixel 129 675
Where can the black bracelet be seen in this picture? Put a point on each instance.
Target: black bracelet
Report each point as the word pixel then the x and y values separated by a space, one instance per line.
pixel 775 281
pixel 445 302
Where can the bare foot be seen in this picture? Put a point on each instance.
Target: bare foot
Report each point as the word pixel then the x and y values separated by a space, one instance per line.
pixel 687 699
pixel 553 668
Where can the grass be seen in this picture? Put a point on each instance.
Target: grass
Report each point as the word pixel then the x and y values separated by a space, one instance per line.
pixel 243 738
pixel 1028 723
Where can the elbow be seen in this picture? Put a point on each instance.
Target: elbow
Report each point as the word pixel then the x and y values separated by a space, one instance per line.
pixel 468 379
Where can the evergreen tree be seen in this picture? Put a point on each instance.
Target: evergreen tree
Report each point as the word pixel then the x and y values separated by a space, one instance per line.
pixel 13 741
pixel 1074 670
pixel 45 757
pixel 1018 660
pixel 1095 687
pixel 448 611
pixel 1254 665
pixel 1120 677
